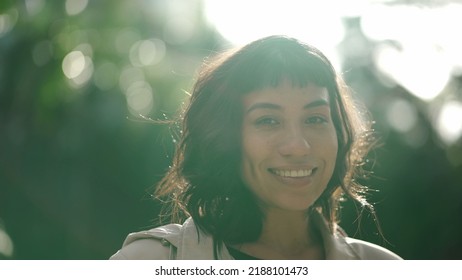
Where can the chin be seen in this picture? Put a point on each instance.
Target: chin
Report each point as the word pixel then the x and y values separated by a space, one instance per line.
pixel 296 207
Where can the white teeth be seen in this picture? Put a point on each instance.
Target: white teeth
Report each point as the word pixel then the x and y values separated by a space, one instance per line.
pixel 293 173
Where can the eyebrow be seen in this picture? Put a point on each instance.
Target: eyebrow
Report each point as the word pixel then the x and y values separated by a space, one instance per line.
pixel 272 106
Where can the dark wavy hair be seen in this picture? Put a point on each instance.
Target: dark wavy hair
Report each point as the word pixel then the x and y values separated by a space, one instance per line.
pixel 204 181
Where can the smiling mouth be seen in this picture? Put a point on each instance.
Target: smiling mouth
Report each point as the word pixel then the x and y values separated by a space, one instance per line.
pixel 293 173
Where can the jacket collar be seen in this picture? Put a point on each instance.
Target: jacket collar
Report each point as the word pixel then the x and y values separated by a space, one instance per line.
pixel 192 243
pixel 196 245
pixel 335 245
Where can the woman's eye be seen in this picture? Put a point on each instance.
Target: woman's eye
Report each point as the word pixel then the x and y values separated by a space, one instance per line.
pixel 267 122
pixel 316 120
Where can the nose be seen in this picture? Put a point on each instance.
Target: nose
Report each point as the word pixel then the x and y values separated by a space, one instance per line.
pixel 294 143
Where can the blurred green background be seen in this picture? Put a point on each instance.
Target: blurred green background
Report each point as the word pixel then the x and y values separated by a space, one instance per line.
pixel 78 164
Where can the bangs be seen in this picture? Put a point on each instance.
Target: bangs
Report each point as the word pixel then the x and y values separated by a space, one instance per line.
pixel 271 63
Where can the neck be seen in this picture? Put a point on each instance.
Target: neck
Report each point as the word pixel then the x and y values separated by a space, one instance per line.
pixel 286 230
pixel 286 235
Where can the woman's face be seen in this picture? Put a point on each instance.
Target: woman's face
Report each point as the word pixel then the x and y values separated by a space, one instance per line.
pixel 289 145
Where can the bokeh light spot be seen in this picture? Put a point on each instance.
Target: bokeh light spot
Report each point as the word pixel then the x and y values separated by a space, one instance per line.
pixel 401 115
pixel 405 67
pixel 140 100
pixel 6 244
pixel 8 21
pixel 74 7
pixel 78 68
pixel 86 74
pixel 147 52
pixel 73 64
pixel 33 7
pixel 449 122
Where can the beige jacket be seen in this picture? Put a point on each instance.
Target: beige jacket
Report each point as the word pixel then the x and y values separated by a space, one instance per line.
pixel 185 242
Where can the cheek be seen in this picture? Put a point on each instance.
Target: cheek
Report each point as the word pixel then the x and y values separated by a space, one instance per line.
pixel 254 153
pixel 250 154
pixel 250 144
pixel 257 148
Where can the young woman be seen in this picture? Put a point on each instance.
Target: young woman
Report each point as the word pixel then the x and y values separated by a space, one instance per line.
pixel 270 144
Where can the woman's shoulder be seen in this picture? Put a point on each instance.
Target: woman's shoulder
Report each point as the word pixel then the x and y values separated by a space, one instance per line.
pixel 370 251
pixel 158 243
pixel 339 246
pixel 172 241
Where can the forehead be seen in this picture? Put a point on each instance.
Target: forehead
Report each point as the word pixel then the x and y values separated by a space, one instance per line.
pixel 288 94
